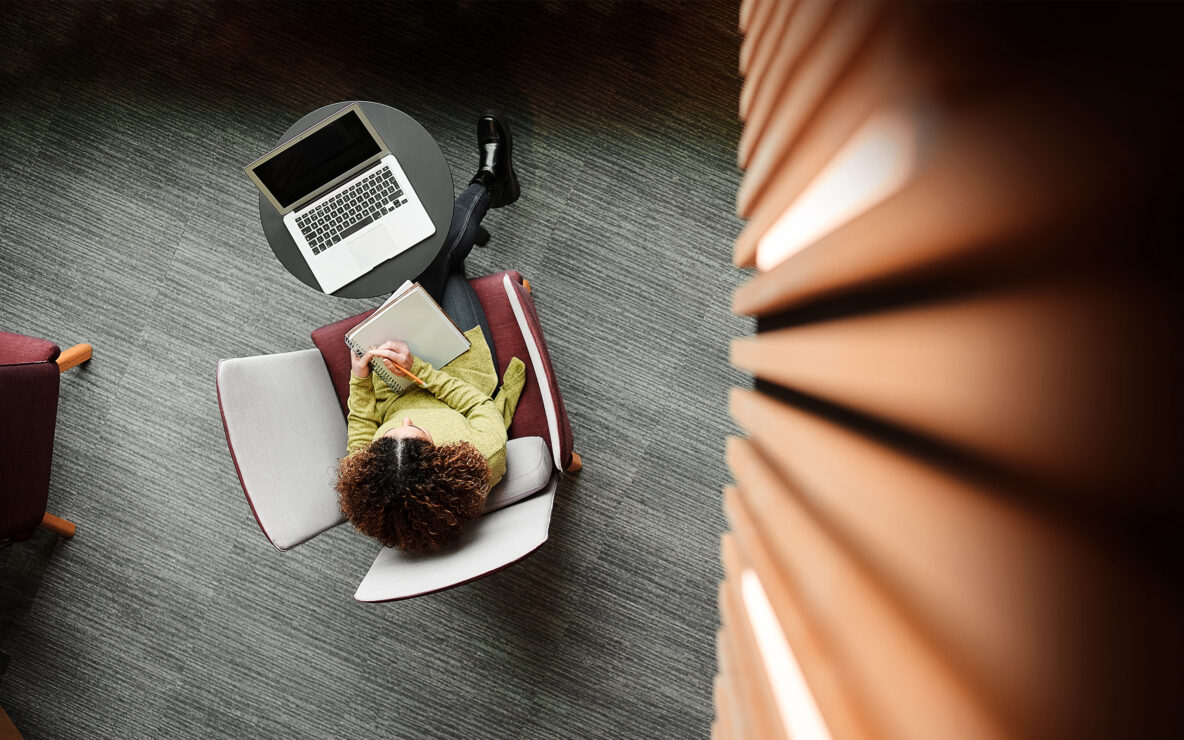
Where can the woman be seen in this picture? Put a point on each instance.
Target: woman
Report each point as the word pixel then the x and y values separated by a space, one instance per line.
pixel 420 463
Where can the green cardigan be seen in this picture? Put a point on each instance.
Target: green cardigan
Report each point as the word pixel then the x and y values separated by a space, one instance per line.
pixel 459 404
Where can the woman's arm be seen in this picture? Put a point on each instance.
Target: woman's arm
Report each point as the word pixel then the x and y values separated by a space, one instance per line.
pixel 507 397
pixel 460 395
pixel 487 428
pixel 363 421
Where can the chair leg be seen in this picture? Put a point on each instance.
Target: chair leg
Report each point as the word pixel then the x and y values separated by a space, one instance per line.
pixel 575 464
pixel 481 237
pixel 74 356
pixel 8 730
pixel 58 525
pixel 526 284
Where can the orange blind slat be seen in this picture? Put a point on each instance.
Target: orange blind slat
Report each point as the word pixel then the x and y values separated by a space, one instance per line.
pixel 760 30
pixel 753 700
pixel 735 680
pixel 758 93
pixel 746 7
pixel 907 688
pixel 725 709
pixel 845 719
pixel 819 72
pixel 984 575
pixel 960 479
pixel 762 55
pixel 766 720
pixel 992 375
pixel 974 151
pixel 858 94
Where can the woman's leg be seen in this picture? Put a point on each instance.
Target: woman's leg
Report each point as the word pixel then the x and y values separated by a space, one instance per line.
pixel 445 279
pixel 461 304
pixel 467 212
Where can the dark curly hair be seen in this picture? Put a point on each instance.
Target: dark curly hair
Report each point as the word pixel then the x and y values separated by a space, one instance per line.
pixel 411 494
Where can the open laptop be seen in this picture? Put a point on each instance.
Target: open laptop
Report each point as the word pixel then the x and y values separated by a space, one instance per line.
pixel 345 199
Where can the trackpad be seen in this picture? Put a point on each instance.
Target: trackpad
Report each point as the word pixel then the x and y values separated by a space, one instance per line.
pixel 373 247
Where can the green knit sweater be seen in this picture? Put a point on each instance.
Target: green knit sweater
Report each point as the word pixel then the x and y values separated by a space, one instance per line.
pixel 458 405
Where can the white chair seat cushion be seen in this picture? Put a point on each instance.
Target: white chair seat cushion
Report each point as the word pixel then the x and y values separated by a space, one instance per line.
pixel 286 434
pixel 488 544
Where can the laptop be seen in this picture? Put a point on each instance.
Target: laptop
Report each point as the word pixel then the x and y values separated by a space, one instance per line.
pixel 345 200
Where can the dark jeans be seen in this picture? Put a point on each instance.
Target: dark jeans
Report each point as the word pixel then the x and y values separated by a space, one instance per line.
pixel 445 280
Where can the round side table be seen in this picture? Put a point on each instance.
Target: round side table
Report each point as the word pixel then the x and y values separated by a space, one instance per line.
pixel 424 164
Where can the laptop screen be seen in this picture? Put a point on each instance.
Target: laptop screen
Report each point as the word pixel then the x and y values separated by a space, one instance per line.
pixel 318 159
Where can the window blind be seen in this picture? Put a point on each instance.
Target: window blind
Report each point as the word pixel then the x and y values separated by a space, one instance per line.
pixel 956 509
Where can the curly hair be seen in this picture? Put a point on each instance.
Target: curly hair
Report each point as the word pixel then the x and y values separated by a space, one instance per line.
pixel 411 494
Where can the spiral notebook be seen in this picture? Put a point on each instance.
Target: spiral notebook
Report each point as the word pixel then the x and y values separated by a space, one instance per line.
pixel 410 315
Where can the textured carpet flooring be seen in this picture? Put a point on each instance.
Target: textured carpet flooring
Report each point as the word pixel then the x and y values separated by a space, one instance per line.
pixel 127 223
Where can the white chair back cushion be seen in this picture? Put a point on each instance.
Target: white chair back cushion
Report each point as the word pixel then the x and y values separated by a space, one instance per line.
pixel 286 433
pixel 489 543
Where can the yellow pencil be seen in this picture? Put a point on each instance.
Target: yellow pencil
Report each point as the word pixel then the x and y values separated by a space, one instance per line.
pixel 408 373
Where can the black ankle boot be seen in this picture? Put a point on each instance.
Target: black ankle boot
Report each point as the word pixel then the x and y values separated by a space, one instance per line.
pixel 496 172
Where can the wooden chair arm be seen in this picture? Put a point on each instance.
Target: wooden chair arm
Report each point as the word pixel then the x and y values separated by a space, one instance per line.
pixel 74 356
pixel 58 525
pixel 575 465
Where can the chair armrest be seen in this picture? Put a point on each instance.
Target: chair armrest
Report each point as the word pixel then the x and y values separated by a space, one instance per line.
pixel 18 349
pixel 552 403
pixel 488 544
pixel 528 470
pixel 286 433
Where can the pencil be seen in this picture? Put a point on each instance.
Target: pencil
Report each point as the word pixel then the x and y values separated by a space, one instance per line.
pixel 408 373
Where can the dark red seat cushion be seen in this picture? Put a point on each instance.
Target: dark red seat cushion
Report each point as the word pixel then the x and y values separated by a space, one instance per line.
pixel 530 418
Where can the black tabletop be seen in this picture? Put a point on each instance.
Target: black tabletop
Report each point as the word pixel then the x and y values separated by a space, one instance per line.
pixel 424 164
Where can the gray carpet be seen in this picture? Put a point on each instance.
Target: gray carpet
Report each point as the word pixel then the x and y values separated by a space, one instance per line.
pixel 127 223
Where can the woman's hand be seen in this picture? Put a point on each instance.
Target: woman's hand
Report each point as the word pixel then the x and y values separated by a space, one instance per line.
pixel 397 352
pixel 390 353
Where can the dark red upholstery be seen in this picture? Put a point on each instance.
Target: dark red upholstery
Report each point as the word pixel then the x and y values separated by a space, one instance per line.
pixel 18 349
pixel 330 340
pixel 29 399
pixel 530 417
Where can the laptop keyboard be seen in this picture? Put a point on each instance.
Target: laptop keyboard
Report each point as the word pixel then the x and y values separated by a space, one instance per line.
pixel 351 210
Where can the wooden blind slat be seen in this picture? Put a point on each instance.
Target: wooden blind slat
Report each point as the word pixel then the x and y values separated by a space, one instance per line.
pixel 762 55
pixel 754 51
pixel 760 31
pixel 746 7
pixel 733 678
pixel 865 89
pixel 717 699
pixel 977 151
pixel 907 687
pixel 993 375
pixel 984 575
pixel 758 93
pixel 766 718
pixel 819 72
pixel 754 717
pixel 960 489
pixel 725 709
pixel 845 719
